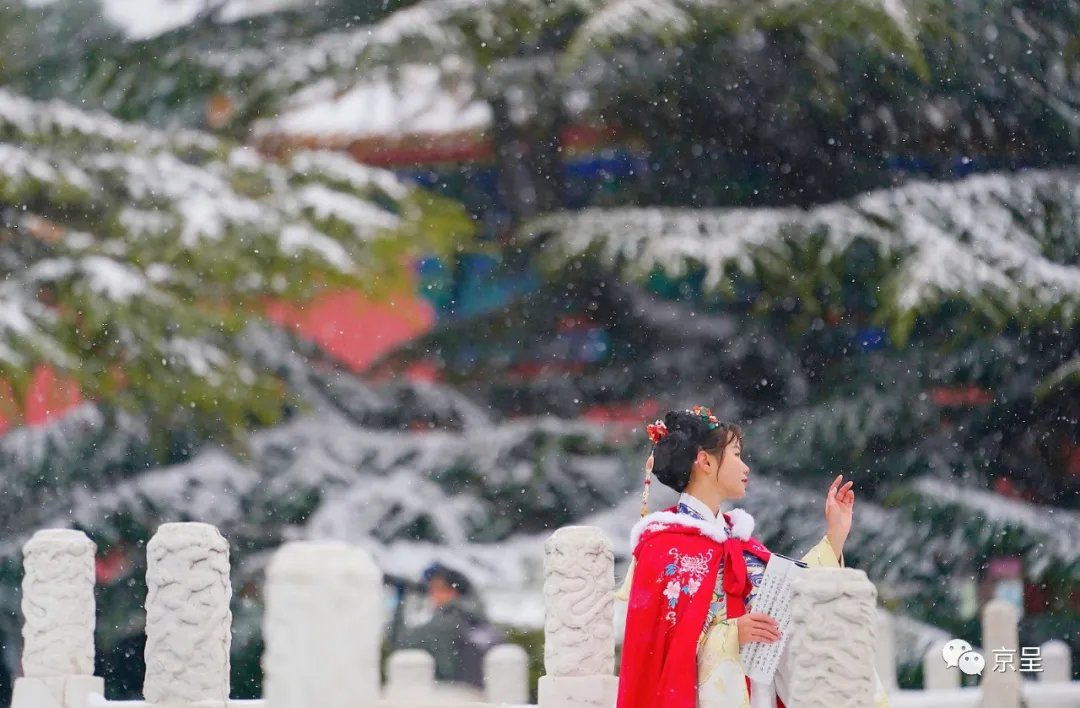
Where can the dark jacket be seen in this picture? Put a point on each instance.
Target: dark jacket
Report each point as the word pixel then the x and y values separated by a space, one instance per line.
pixel 458 635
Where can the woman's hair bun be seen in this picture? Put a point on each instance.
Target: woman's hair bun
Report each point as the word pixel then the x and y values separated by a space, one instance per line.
pixel 674 454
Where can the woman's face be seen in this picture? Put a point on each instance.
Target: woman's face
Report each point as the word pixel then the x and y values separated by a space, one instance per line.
pixel 728 471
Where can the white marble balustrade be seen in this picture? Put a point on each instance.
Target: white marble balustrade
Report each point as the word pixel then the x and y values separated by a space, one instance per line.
pixel 323 616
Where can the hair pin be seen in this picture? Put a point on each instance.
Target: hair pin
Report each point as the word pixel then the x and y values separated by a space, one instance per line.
pixel 657 431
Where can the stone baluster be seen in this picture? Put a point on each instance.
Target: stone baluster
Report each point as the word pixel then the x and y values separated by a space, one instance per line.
pixel 188 620
pixel 579 642
pixel 1000 689
pixel 1057 662
pixel 937 674
pixel 885 652
pixel 506 675
pixel 831 645
pixel 324 612
pixel 58 615
pixel 410 676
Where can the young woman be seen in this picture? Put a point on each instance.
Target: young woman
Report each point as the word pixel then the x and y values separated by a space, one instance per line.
pixel 691 587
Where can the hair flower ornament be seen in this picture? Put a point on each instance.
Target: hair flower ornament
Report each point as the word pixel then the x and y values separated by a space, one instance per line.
pixel 705 414
pixel 657 431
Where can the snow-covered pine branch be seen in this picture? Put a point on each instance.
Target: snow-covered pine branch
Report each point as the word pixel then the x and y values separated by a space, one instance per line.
pixel 412 471
pixel 998 243
pixel 132 255
pixel 820 58
pixel 979 520
pixel 891 24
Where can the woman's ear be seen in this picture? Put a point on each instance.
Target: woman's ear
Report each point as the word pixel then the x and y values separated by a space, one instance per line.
pixel 703 460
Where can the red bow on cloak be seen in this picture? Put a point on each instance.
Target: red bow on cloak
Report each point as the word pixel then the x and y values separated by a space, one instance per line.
pixel 736 583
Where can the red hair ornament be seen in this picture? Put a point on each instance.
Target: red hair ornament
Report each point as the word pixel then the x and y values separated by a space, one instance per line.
pixel 657 431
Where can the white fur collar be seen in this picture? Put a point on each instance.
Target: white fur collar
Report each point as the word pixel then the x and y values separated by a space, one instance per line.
pixel 742 525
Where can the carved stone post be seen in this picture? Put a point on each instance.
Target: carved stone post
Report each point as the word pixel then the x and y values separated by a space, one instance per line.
pixel 322 627
pixel 885 652
pixel 188 620
pixel 506 675
pixel 833 614
pixel 579 642
pixel 1057 662
pixel 937 674
pixel 1000 689
pixel 58 629
pixel 410 676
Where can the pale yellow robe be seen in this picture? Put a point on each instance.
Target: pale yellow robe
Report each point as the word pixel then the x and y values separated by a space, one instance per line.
pixel 721 681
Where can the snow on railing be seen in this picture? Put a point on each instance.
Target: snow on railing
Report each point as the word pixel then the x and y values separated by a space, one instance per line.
pixel 322 633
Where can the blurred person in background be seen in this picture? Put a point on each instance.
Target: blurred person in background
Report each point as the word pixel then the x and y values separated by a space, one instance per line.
pixel 458 633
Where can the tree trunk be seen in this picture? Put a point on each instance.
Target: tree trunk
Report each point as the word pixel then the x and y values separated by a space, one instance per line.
pixel 528 158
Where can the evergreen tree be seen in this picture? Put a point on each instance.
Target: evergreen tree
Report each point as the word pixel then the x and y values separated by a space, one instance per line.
pixel 921 339
pixel 131 257
pixel 736 103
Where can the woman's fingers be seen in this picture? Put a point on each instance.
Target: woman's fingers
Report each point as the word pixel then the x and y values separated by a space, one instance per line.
pixel 840 494
pixel 763 636
pixel 761 618
pixel 757 627
pixel 763 628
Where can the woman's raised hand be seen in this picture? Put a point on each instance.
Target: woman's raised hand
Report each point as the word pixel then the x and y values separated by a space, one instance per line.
pixel 839 509
pixel 756 627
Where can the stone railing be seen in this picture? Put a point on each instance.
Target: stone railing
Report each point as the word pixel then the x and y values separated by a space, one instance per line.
pixel 837 626
pixel 322 629
pixel 1002 684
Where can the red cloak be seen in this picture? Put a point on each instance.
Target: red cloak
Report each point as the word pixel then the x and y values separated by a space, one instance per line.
pixel 677 558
